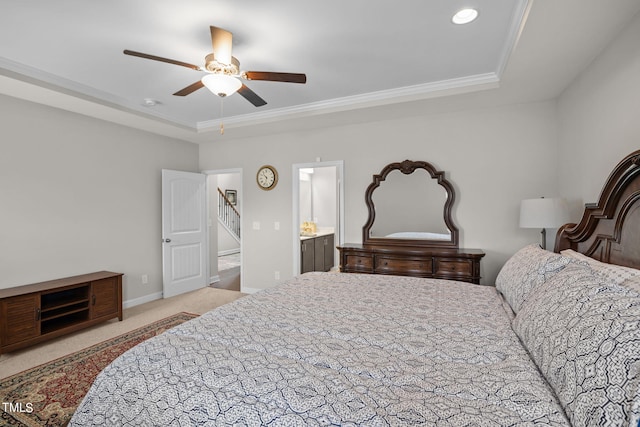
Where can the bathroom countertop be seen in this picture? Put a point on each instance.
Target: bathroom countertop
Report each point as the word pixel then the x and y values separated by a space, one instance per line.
pixel 319 233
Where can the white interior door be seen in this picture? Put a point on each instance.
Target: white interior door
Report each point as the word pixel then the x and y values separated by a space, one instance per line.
pixel 184 232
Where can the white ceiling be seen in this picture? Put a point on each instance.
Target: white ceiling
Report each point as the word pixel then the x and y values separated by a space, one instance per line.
pixel 356 54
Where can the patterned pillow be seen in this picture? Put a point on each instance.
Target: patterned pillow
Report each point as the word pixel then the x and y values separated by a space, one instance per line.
pixel 617 273
pixel 583 333
pixel 526 269
pixel 633 283
pixel 576 255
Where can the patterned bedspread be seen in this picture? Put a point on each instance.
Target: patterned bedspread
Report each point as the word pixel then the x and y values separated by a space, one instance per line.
pixel 333 349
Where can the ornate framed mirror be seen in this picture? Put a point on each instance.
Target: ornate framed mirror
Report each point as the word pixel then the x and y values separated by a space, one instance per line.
pixel 410 204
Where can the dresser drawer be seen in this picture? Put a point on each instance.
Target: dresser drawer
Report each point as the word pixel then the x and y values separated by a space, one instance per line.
pixel 408 266
pixel 454 267
pixel 359 263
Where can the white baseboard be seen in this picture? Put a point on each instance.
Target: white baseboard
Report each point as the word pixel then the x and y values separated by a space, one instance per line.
pixel 250 290
pixel 141 300
pixel 214 279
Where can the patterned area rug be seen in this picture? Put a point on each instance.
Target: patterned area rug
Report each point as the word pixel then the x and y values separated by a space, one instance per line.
pixel 47 395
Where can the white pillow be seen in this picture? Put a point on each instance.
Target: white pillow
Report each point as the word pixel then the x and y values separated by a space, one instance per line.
pixel 529 267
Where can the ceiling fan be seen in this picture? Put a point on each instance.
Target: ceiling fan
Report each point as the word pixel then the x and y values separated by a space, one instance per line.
pixel 223 71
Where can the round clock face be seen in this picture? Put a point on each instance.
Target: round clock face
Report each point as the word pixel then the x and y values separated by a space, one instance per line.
pixel 267 177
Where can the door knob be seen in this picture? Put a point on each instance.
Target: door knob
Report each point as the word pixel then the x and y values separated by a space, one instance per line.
pixel 167 240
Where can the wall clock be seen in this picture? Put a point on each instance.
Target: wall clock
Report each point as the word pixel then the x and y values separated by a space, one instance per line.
pixel 267 177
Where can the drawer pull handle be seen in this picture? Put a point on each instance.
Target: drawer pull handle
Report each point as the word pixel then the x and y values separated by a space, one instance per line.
pixel 93 299
pixel 38 313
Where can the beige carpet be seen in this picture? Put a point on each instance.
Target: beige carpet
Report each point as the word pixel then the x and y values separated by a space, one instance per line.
pixel 197 302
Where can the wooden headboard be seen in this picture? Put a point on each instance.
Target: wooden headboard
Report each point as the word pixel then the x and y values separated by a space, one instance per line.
pixel 610 229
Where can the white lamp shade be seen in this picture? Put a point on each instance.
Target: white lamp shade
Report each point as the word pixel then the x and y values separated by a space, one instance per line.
pixel 543 213
pixel 221 84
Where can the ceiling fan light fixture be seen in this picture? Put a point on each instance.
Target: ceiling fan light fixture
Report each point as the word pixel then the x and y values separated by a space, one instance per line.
pixel 217 67
pixel 464 16
pixel 221 84
pixel 224 77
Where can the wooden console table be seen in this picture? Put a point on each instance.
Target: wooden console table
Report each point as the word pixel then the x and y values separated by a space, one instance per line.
pixel 34 313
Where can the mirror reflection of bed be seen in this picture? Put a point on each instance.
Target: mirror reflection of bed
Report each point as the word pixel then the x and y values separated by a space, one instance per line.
pixel 410 207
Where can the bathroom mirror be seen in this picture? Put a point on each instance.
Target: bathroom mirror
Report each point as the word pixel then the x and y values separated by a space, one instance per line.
pixel 410 205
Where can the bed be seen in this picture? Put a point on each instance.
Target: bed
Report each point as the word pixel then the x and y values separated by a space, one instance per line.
pixel 555 343
pixel 419 235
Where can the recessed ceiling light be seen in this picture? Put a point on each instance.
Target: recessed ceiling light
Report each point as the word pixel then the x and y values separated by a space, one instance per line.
pixel 149 102
pixel 464 16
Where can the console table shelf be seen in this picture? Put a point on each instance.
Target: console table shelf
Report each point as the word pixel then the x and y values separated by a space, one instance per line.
pixel 34 313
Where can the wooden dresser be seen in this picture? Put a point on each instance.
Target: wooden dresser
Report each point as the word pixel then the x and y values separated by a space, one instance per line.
pixel 451 264
pixel 411 231
pixel 34 313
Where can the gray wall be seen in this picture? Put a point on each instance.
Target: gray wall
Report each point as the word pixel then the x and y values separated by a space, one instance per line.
pixel 599 116
pixel 79 195
pixel 500 156
pixel 324 196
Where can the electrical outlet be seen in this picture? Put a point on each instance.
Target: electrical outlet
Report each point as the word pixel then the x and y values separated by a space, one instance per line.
pixel 277 275
pixel 276 225
pixel 145 279
pixel 256 225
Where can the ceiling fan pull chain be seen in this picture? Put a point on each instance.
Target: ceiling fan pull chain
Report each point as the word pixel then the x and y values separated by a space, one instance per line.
pixel 221 115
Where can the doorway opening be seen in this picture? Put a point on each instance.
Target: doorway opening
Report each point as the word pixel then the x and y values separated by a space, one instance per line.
pixel 224 214
pixel 318 212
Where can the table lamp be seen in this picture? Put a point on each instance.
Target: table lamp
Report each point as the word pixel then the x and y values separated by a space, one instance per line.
pixel 543 213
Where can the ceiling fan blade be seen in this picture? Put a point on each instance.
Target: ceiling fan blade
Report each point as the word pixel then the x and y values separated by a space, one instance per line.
pixel 251 96
pixel 276 77
pixel 221 41
pixel 158 58
pixel 190 89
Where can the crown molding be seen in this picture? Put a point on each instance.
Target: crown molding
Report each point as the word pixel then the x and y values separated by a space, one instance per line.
pixel 372 99
pixel 521 14
pixel 37 77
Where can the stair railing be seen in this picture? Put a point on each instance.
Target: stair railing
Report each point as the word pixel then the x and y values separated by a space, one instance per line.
pixel 228 214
